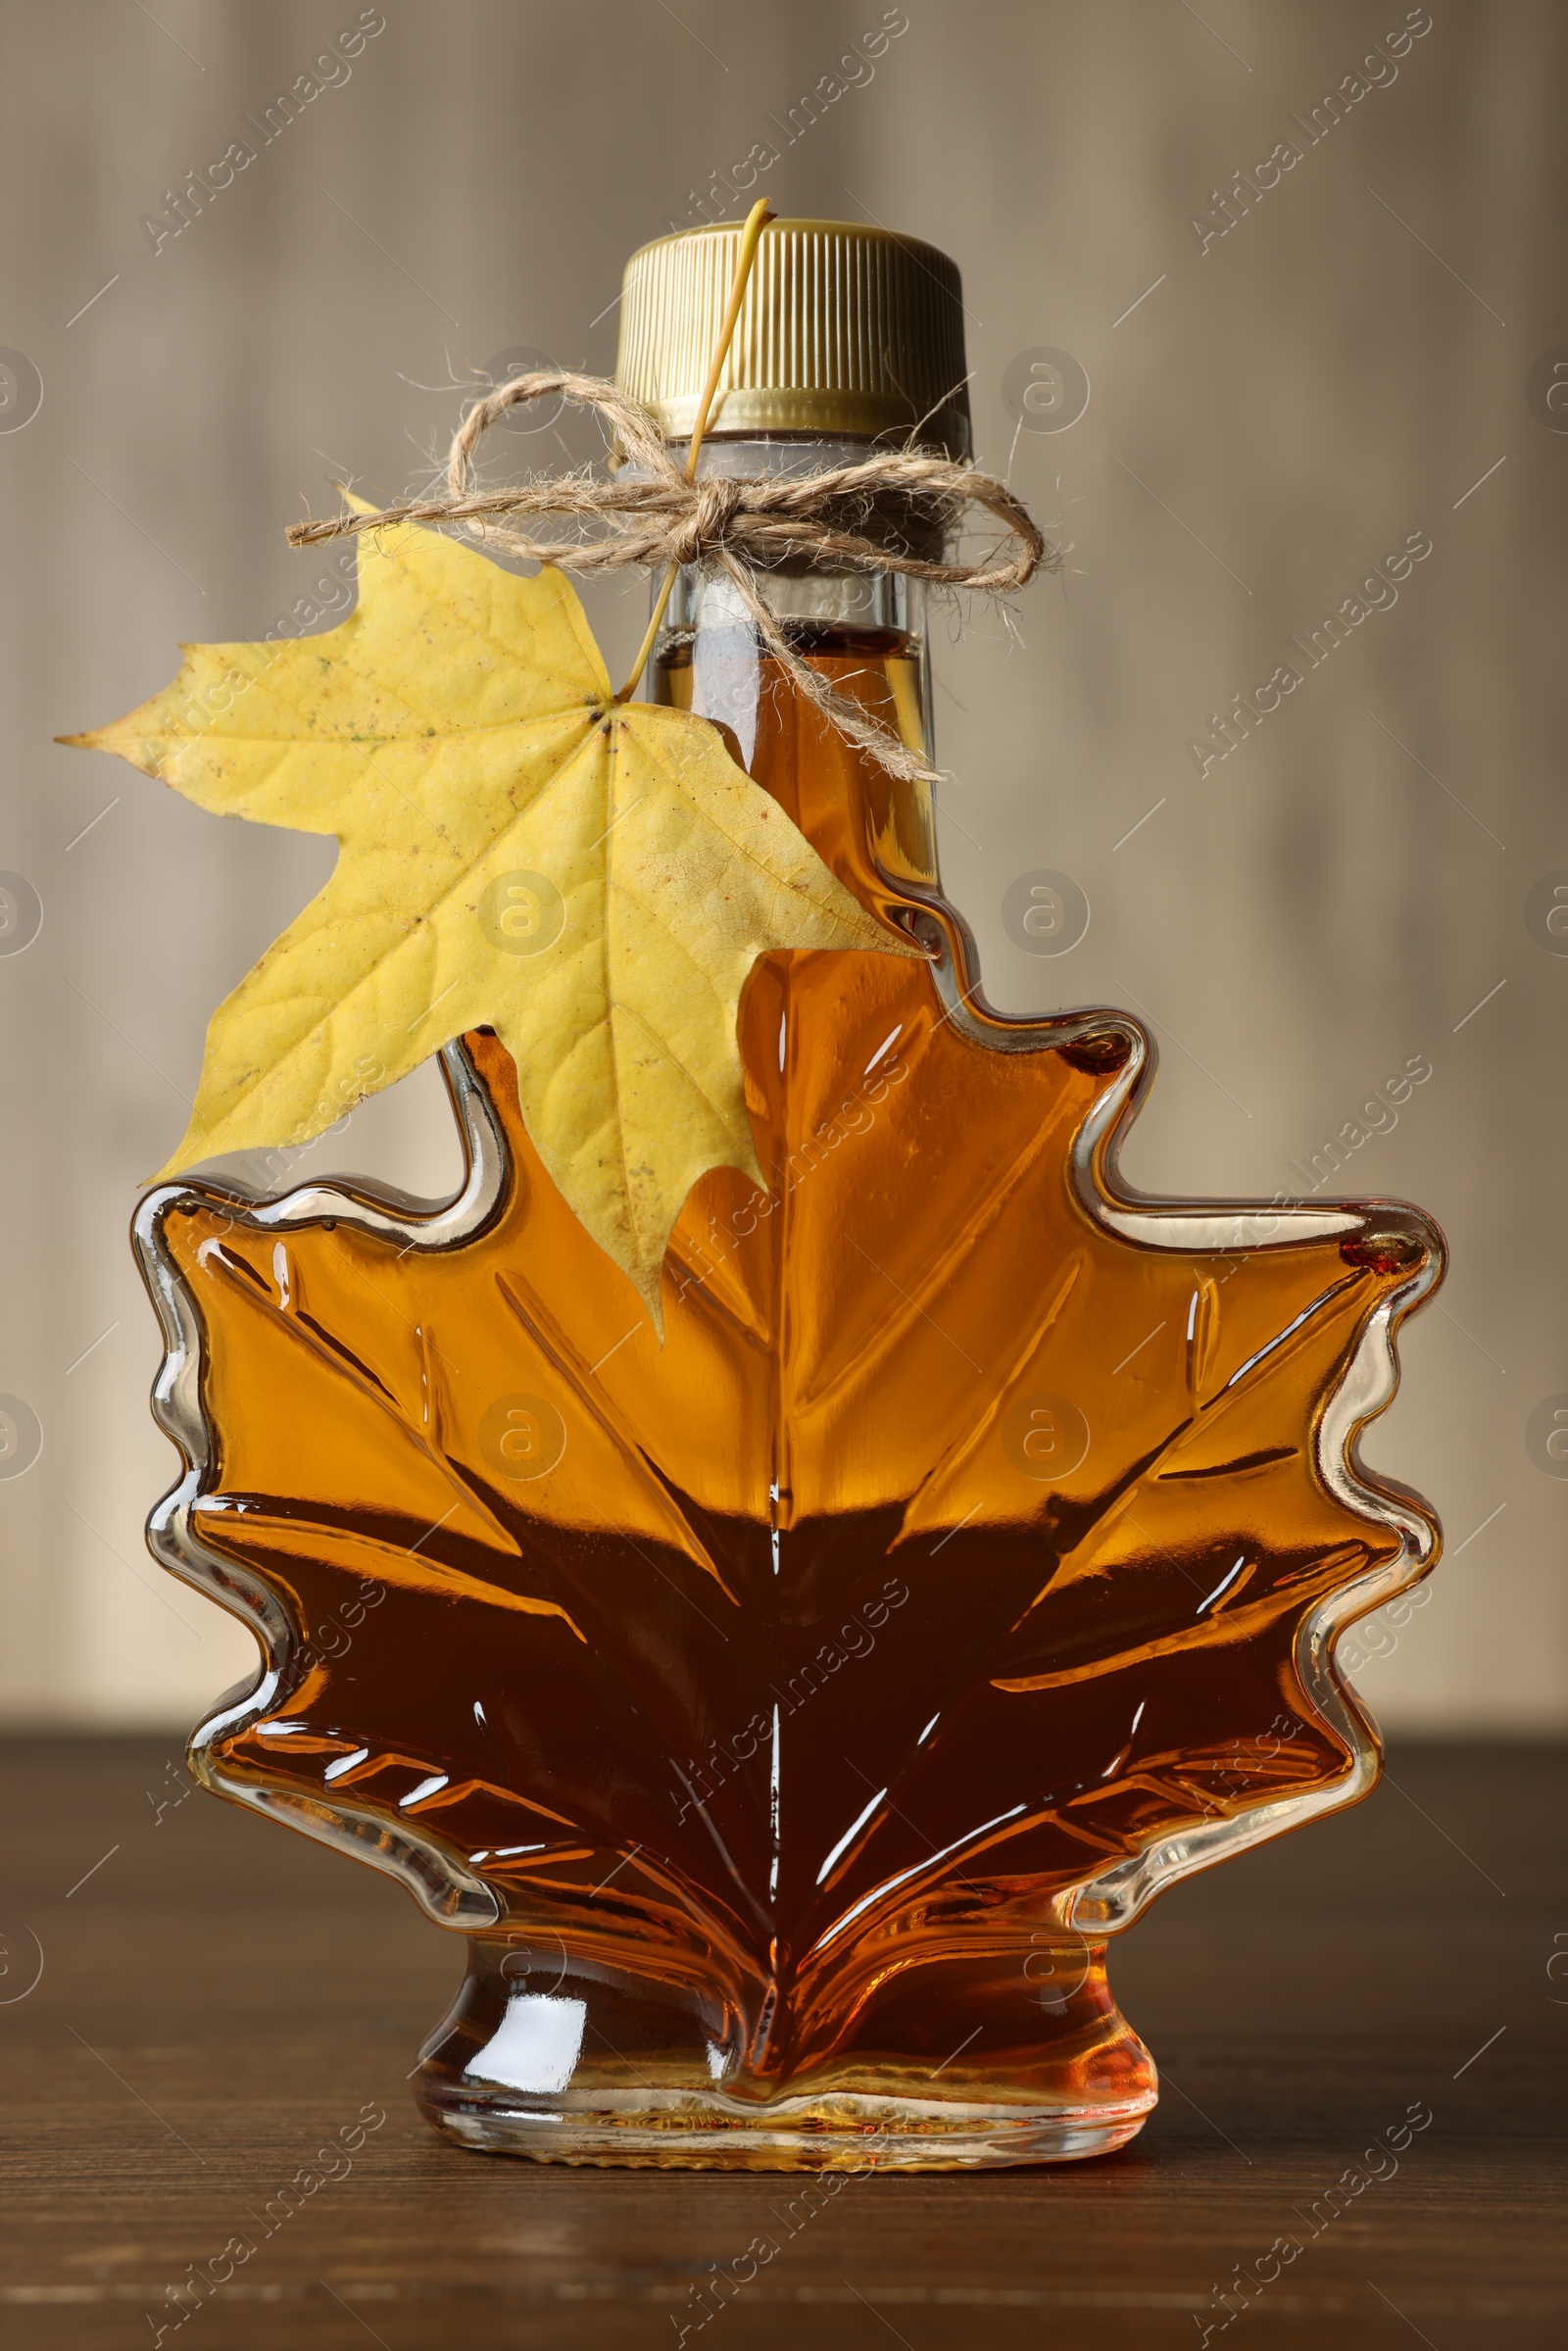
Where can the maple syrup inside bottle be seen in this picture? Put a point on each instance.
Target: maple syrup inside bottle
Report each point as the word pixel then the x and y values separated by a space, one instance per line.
pixel 873 829
pixel 784 1679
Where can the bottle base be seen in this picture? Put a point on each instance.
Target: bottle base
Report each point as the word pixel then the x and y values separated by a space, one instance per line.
pixel 846 2133
pixel 1015 2054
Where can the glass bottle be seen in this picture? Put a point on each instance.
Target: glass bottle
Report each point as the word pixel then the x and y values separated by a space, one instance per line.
pixel 791 1710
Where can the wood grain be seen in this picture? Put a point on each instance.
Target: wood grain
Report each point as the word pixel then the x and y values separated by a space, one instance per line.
pixel 219 1997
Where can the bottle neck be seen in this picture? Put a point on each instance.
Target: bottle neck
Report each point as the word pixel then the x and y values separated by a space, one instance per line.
pixel 866 633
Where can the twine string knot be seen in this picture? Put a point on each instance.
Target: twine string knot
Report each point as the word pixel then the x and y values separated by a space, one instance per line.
pixel 649 513
pixel 703 529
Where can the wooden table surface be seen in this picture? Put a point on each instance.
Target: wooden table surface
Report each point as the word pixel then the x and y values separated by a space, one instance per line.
pixel 219 1995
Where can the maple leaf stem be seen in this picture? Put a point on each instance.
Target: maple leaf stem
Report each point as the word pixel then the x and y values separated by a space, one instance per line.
pixel 757 219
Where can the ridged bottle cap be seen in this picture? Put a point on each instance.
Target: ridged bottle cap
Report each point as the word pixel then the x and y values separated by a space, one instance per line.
pixel 844 332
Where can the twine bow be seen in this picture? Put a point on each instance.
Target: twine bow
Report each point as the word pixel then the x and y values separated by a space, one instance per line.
pixel 650 512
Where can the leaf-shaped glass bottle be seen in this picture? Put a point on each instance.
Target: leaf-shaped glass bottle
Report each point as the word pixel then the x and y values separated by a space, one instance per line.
pixel 791 1710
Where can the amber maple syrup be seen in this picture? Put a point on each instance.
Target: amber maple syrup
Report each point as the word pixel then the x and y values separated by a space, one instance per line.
pixel 785 1680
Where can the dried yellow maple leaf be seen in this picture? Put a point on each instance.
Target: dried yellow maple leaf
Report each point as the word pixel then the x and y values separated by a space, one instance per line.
pixel 592 879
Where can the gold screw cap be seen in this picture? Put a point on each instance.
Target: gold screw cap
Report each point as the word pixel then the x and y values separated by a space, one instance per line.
pixel 846 332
